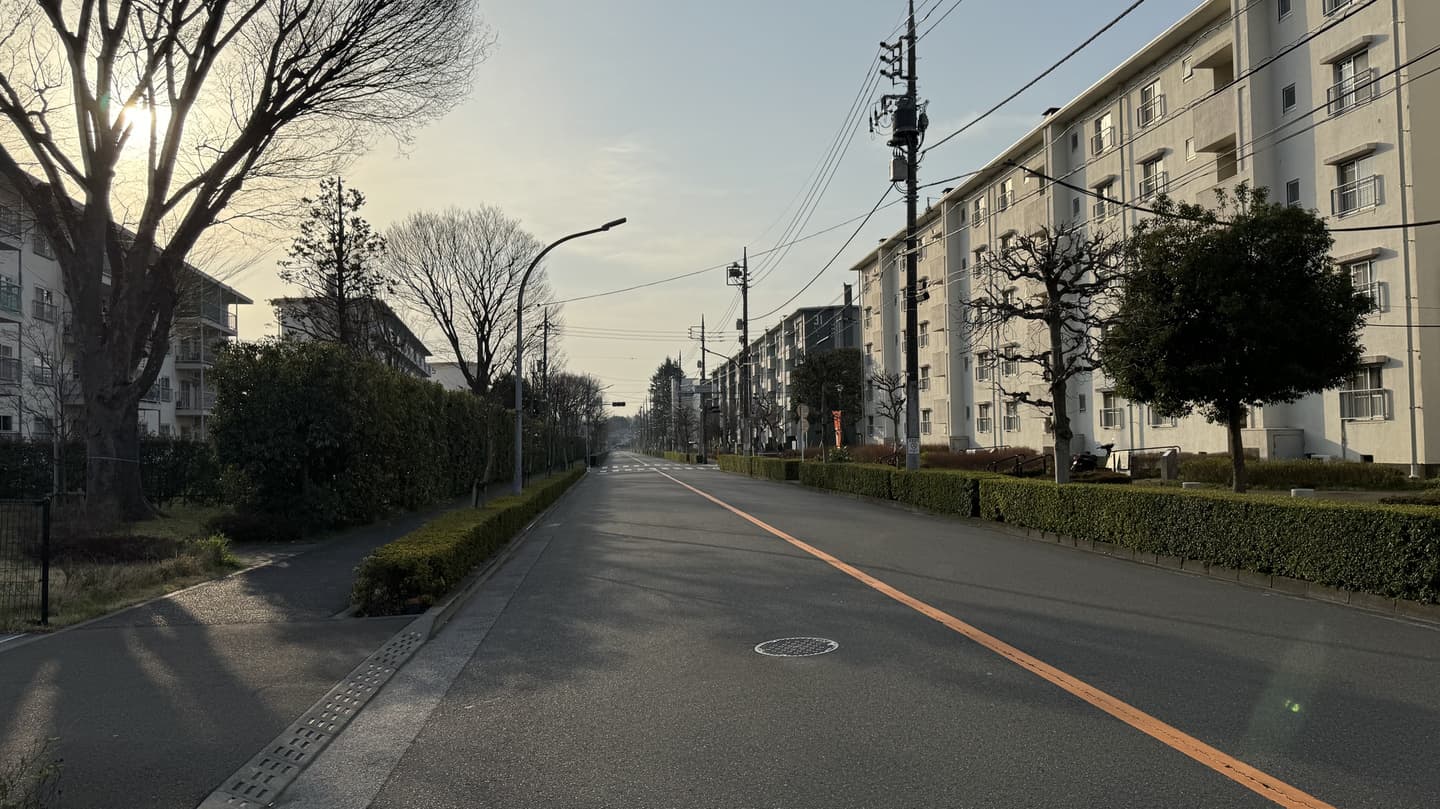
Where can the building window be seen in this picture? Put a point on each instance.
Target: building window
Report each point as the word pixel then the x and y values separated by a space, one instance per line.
pixel 1007 243
pixel 1357 187
pixel 1009 365
pixel 1153 178
pixel 1292 193
pixel 983 422
pixel 1363 396
pixel 1104 137
pixel 979 211
pixel 1362 278
pixel 984 366
pixel 1152 104
pixel 1105 207
pixel 1081 408
pixel 1190 149
pixel 1007 194
pixel 924 377
pixel 1074 141
pixel 40 246
pixel 1187 68
pixel 7 423
pixel 1287 98
pixel 1284 8
pixel 867 317
pixel 925 421
pixel 43 307
pixel 1075 207
pixel 924 334
pixel 979 262
pixel 1112 416
pixel 1010 297
pixel 1157 420
pixel 1332 6
pixel 1012 417
pixel 1354 83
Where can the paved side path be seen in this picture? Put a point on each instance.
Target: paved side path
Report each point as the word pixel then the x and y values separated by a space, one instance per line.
pixel 156 704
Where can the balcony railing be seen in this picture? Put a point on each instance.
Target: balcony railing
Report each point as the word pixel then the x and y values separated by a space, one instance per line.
pixel 195 400
pixel 1111 418
pixel 1007 198
pixel 9 222
pixel 218 314
pixel 1151 111
pixel 9 371
pixel 43 310
pixel 924 383
pixel 42 375
pixel 1012 424
pixel 1352 92
pixel 9 297
pixel 1102 141
pixel 193 353
pixel 1104 209
pixel 1364 405
pixel 984 372
pixel 1376 292
pixel 1357 196
pixel 983 424
pixel 1154 184
pixel 979 215
pixel 158 393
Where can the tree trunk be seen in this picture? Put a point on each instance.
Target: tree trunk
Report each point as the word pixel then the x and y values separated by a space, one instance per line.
pixel 1060 396
pixel 1237 452
pixel 112 467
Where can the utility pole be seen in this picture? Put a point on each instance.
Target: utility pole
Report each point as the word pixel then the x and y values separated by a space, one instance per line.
pixel 704 411
pixel 545 389
pixel 908 122
pixel 739 275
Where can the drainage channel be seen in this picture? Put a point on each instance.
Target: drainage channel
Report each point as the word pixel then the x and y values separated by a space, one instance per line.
pixel 261 781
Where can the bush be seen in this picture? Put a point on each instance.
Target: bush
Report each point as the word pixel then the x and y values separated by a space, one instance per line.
pixel 977 460
pixel 1429 497
pixel 310 433
pixel 734 463
pixel 866 480
pixel 776 468
pixel 877 454
pixel 942 491
pixel 1102 476
pixel 170 469
pixel 1393 551
pixel 422 567
pixel 1296 474
pixel 251 527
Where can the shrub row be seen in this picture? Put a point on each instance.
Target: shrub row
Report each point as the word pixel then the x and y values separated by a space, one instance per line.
pixel 422 567
pixel 170 469
pixel 681 457
pixel 311 433
pixel 1392 551
pixel 1303 474
pixel 760 467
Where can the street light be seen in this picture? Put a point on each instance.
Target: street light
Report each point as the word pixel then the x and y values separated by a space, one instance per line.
pixel 518 484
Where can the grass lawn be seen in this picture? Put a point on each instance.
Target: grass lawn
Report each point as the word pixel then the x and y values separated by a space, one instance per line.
pixel 161 555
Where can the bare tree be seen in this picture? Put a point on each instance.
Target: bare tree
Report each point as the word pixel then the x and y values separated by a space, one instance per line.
pixel 890 401
pixel 46 392
pixel 462 270
pixel 130 127
pixel 767 412
pixel 1044 300
pixel 335 261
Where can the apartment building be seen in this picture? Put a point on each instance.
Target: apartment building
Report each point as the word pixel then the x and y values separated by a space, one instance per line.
pixel 392 342
pixel 773 358
pixel 1317 100
pixel 39 386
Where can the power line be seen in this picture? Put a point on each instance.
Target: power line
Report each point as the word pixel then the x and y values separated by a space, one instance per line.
pixel 953 6
pixel 833 258
pixel 1082 46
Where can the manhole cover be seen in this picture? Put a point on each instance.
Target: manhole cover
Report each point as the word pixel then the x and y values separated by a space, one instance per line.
pixel 797 647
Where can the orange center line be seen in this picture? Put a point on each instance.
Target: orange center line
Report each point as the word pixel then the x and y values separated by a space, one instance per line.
pixel 1261 783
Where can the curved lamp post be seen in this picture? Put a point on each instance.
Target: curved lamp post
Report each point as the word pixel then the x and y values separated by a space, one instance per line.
pixel 518 484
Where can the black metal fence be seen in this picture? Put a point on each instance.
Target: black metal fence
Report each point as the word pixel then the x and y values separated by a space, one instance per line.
pixel 24 562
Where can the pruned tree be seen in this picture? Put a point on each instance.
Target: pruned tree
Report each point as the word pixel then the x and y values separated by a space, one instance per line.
pixel 461 270
pixel 1231 308
pixel 889 399
pixel 769 414
pixel 335 261
pixel 47 392
pixel 1044 301
pixel 129 128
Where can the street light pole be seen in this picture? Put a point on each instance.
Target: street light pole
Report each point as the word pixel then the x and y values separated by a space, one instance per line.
pixel 518 483
pixel 739 275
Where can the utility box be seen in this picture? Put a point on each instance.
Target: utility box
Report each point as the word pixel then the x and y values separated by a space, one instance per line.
pixel 1170 464
pixel 897 170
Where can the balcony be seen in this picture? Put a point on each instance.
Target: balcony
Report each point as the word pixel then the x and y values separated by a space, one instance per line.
pixel 9 371
pixel 195 401
pixel 1102 141
pixel 1364 405
pixel 1347 94
pixel 1154 185
pixel 222 317
pixel 42 375
pixel 1377 293
pixel 9 224
pixel 1214 122
pixel 1104 209
pixel 195 355
pixel 9 301
pixel 44 310
pixel 158 393
pixel 1361 195
pixel 1151 111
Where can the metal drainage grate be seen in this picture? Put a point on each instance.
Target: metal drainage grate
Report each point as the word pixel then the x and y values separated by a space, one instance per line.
pixel 797 647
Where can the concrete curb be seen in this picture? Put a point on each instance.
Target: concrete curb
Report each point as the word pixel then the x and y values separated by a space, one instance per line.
pixel 263 779
pixel 1366 602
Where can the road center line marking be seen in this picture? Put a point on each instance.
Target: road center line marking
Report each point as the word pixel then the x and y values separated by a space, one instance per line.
pixel 1261 783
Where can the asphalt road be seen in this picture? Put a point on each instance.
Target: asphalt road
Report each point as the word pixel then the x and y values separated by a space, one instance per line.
pixel 156 705
pixel 614 667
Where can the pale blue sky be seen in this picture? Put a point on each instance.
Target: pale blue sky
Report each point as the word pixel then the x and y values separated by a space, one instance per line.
pixel 701 121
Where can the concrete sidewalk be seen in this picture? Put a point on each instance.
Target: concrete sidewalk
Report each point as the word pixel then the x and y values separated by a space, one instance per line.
pixel 155 705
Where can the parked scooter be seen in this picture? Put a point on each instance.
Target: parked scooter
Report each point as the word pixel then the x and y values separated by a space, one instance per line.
pixel 1088 461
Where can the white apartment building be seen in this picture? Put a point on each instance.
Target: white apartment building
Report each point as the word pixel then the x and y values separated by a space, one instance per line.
pixel 393 342
pixel 773 358
pixel 1313 99
pixel 39 389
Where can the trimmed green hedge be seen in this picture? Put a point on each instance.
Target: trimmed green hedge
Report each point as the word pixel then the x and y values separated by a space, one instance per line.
pixel 943 491
pixel 776 468
pixel 681 457
pixel 170 469
pixel 1392 551
pixel 734 463
pixel 1293 474
pixel 867 480
pixel 422 567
